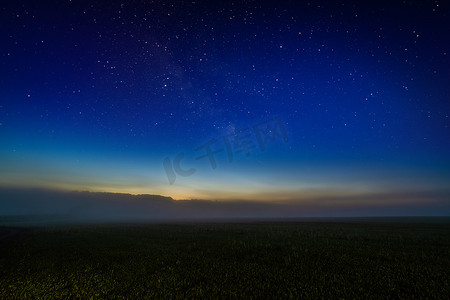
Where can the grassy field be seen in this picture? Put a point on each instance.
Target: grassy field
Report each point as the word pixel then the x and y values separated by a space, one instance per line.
pixel 229 260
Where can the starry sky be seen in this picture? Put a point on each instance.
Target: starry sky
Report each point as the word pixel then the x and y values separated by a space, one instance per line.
pixel 229 100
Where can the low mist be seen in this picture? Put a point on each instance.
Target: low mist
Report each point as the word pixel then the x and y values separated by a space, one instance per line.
pixel 50 206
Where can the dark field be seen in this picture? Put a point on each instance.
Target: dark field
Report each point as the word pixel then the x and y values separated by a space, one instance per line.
pixel 344 259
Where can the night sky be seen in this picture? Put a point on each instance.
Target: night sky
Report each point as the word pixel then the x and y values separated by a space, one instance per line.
pixel 243 100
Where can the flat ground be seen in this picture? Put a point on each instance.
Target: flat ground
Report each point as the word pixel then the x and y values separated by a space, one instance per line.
pixel 409 259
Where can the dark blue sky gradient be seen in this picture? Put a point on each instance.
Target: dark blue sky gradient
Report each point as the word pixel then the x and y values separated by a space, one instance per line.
pixel 96 94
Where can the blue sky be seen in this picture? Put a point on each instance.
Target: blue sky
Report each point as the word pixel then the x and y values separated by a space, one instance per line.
pixel 95 97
